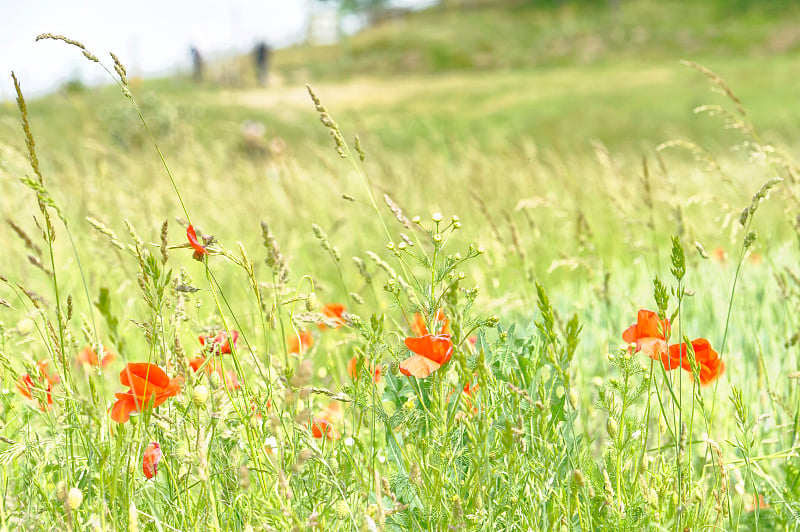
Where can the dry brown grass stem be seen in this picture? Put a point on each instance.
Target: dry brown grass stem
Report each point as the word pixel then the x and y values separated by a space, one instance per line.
pixel 397 211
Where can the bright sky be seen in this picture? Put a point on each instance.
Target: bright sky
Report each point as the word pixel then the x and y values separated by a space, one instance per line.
pixel 149 36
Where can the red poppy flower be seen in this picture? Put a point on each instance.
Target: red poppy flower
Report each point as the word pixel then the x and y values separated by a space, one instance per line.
pixel 649 333
pixel 228 377
pixel 220 343
pixel 322 428
pixel 300 342
pixel 352 370
pixel 708 362
pixel 147 382
pixel 197 362
pixel 88 357
pixel 231 380
pixel 150 458
pixel 334 312
pixel 420 329
pixel 44 381
pixel 468 389
pixel 750 504
pixel 430 353
pixel 199 250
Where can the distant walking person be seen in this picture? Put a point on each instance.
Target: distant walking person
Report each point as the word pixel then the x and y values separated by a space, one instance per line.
pixel 261 55
pixel 197 63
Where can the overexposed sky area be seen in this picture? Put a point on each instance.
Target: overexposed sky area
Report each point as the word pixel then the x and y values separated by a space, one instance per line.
pixel 149 36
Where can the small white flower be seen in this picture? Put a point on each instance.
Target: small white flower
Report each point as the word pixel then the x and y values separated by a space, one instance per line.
pixel 271 443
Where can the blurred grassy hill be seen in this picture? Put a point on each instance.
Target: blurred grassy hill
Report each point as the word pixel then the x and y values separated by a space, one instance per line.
pixel 558 104
pixel 513 34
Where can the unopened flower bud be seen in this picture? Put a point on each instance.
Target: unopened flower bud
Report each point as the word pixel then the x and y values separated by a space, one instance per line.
pixel 200 394
pixel 215 379
pixel 311 302
pixel 437 217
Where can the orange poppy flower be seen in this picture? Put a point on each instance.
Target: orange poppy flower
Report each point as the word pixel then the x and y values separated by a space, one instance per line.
pixel 322 428
pixel 150 458
pixel 147 382
pixel 420 329
pixel 649 333
pixel 88 357
pixel 709 364
pixel 300 341
pixel 334 312
pixel 45 381
pixel 199 250
pixel 220 343
pixel 430 353
pixel 352 370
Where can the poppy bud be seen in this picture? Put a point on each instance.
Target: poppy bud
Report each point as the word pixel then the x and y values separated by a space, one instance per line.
pixel 311 302
pixel 215 379
pixel 200 394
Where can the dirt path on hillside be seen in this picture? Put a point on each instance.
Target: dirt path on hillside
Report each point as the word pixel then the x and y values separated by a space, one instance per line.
pixel 348 94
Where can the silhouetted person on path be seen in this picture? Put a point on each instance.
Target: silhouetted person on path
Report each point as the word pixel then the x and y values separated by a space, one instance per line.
pixel 197 63
pixel 261 56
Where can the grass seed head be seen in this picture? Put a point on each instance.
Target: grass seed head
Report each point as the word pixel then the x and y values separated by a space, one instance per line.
pixel 74 499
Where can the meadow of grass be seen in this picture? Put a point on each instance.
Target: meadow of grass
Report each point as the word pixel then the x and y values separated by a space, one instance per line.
pixel 539 209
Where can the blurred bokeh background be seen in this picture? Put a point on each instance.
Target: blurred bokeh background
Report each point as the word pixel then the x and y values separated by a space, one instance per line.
pixel 538 122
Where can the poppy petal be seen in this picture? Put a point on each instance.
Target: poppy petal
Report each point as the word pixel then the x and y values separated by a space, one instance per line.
pixel 199 250
pixel 150 458
pixel 418 366
pixel 122 409
pixel 437 348
pixel 352 368
pixel 143 377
